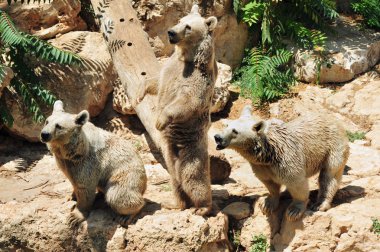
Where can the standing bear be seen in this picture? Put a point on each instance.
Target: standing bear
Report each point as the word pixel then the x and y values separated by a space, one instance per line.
pixel 288 154
pixel 185 92
pixel 94 159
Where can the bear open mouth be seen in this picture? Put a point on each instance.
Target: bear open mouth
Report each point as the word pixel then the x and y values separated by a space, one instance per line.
pixel 173 40
pixel 220 147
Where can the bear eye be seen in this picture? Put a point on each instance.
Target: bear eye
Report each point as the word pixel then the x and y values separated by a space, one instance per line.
pixel 46 122
pixel 234 131
pixel 188 27
pixel 58 126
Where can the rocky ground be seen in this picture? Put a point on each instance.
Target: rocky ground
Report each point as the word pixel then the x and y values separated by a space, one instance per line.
pixel 34 194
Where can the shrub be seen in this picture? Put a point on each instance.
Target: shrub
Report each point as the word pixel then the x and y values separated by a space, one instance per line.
pixel 298 20
pixel 265 77
pixel 352 136
pixel 259 243
pixel 16 46
pixel 375 226
pixel 370 10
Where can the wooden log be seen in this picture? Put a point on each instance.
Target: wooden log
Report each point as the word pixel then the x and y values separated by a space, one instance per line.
pixel 136 64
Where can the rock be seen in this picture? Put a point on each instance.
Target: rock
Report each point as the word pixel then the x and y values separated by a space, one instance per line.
pixel 349 56
pixel 157 16
pixel 363 161
pixel 374 135
pixel 178 231
pixel 238 210
pixel 47 20
pixel 221 92
pixel 80 87
pixel 346 227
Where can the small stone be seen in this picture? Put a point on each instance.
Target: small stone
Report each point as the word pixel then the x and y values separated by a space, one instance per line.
pixel 238 210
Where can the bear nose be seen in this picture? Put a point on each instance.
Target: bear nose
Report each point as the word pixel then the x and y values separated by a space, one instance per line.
pixel 218 138
pixel 45 136
pixel 171 33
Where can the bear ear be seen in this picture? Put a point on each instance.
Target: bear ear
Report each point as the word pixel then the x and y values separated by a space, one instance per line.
pixel 260 127
pixel 58 106
pixel 211 22
pixel 195 9
pixel 82 118
pixel 225 122
pixel 247 111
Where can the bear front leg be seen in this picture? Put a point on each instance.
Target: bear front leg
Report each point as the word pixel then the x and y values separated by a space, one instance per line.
pixel 85 200
pixel 149 87
pixel 171 112
pixel 300 194
pixel 270 203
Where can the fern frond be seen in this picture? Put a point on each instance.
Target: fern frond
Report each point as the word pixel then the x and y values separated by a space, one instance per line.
pixel 11 36
pixel 5 116
pixel 27 94
pixel 370 10
pixel 266 77
pixel 3 73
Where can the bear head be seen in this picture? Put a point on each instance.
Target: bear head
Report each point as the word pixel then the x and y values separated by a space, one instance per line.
pixel 242 132
pixel 191 29
pixel 60 126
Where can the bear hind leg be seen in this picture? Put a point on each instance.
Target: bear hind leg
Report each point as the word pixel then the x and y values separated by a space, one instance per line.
pixel 328 186
pixel 195 181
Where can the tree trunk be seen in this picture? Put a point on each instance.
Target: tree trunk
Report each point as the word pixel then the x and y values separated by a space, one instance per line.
pixel 136 63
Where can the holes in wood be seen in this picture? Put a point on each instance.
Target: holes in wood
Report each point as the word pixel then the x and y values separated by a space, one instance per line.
pixel 129 44
pixel 122 19
pixel 131 20
pixel 143 73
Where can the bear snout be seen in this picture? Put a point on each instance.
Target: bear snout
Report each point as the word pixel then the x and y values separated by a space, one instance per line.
pixel 45 136
pixel 219 142
pixel 173 38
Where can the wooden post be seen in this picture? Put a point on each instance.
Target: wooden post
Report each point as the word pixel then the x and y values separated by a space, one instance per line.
pixel 135 62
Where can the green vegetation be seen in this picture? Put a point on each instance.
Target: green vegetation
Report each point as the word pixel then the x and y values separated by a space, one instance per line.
pixel 352 136
pixel 370 10
pixel 376 226
pixel 298 20
pixel 264 77
pixel 259 243
pixel 17 48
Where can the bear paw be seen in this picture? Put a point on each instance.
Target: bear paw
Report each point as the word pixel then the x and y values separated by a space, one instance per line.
pixel 201 211
pixel 318 206
pixel 295 211
pixel 76 217
pixel 268 205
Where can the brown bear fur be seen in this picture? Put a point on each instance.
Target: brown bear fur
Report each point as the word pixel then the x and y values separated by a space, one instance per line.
pixel 288 154
pixel 185 91
pixel 94 159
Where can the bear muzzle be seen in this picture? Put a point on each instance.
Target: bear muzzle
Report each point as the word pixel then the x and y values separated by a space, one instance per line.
pixel 220 144
pixel 45 137
pixel 173 37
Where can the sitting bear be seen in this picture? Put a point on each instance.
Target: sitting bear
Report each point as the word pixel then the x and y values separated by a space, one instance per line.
pixel 94 159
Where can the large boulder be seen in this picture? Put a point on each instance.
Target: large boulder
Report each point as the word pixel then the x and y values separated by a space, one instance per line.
pixel 34 206
pixel 157 16
pixel 350 51
pixel 46 19
pixel 355 105
pixel 178 231
pixel 80 87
